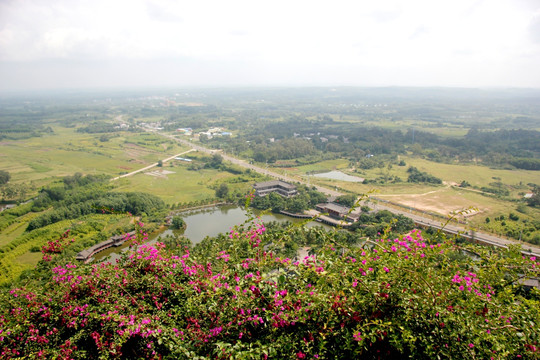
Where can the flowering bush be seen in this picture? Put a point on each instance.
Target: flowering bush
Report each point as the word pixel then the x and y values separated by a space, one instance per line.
pixel 391 298
pixel 55 246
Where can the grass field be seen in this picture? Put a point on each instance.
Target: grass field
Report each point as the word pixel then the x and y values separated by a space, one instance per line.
pixel 66 152
pixel 179 184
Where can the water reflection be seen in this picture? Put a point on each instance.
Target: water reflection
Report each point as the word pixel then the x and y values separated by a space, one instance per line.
pixel 208 222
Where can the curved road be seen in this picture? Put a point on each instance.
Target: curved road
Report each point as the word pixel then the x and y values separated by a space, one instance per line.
pixel 421 220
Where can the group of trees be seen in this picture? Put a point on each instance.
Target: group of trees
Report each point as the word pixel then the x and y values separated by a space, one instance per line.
pixel 4 177
pixel 375 223
pixel 534 200
pixel 79 195
pixel 417 176
pixel 285 149
pixel 297 137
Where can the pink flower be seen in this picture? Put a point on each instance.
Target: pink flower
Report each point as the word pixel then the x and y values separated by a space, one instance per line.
pixel 357 337
pixel 471 345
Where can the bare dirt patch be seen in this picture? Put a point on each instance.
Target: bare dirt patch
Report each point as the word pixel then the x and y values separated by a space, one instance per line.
pixel 435 201
pixel 159 173
pixel 432 204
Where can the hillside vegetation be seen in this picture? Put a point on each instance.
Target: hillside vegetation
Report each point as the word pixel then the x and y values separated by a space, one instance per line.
pixel 411 296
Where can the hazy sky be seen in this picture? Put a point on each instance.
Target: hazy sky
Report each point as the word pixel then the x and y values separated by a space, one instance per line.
pixel 50 44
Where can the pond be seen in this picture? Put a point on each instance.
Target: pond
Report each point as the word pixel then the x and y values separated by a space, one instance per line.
pixel 338 175
pixel 208 222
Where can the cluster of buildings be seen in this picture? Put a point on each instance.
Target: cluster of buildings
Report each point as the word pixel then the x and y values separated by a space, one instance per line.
pixel 337 214
pixel 213 132
pixel 280 187
pixel 122 126
pixel 210 133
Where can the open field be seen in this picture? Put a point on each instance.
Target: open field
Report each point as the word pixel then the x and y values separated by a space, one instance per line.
pixel 182 185
pixel 441 199
pixel 476 175
pixel 66 152
pixel 176 183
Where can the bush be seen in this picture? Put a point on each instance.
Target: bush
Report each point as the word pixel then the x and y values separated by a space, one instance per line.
pixel 408 297
pixel 178 223
pixel 416 176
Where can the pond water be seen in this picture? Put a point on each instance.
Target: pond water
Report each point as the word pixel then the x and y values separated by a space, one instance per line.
pixel 338 175
pixel 208 222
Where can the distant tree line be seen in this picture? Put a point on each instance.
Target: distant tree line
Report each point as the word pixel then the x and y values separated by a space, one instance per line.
pixel 298 137
pixel 97 128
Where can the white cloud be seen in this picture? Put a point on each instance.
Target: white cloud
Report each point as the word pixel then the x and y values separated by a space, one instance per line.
pixel 414 42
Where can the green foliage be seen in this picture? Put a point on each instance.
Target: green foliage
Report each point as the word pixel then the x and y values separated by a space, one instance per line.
pixel 526 163
pixel 178 223
pixel 534 200
pixel 234 297
pixel 285 149
pixel 516 227
pixel 305 199
pixel 417 176
pixel 4 177
pixel 97 128
pixel 81 195
pixel 381 222
pixel 346 200
pixel 222 191
pixel 215 161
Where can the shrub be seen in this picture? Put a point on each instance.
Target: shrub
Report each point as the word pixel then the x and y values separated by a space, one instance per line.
pixel 408 297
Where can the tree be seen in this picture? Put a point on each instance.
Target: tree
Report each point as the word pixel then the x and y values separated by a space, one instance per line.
pixel 4 177
pixel 216 161
pixel 277 202
pixel 178 223
pixel 346 200
pixel 160 163
pixel 534 200
pixel 298 204
pixel 222 191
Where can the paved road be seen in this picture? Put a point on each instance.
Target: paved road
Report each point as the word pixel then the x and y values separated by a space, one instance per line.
pixel 150 166
pixel 422 220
